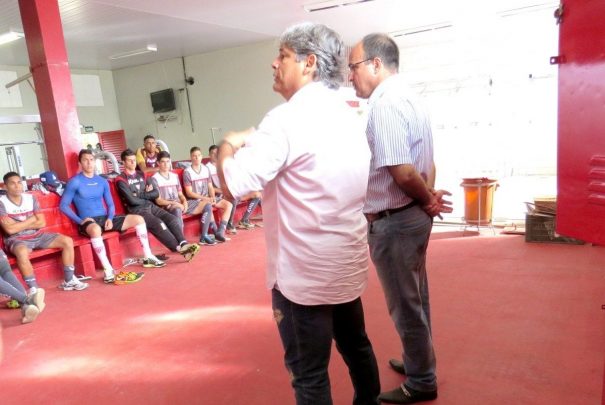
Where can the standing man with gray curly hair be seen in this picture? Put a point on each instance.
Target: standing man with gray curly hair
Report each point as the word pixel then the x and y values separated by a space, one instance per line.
pixel 317 261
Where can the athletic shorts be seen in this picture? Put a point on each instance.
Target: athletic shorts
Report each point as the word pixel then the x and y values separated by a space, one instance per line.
pixel 118 222
pixel 40 241
pixel 192 205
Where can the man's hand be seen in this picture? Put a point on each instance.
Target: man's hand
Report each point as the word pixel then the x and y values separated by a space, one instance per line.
pixel 438 204
pixel 238 139
pixel 108 224
pixel 148 188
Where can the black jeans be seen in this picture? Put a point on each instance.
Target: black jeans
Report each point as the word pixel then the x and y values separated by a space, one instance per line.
pixel 161 224
pixel 307 331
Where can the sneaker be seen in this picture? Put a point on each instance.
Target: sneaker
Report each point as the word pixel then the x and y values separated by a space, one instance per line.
pixel 37 299
pixel 29 312
pixel 149 262
pixel 189 251
pixel 13 304
pixel 108 277
pixel 129 277
pixel 207 240
pixel 231 230
pixel 73 284
pixel 245 225
pixel 219 237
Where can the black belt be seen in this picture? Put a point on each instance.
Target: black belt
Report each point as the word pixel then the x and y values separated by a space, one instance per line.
pixel 388 213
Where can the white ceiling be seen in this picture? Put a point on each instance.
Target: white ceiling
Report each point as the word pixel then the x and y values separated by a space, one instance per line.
pixel 96 29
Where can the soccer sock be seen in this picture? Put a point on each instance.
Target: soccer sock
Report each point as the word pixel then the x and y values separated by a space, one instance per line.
pixel 30 281
pixel 230 222
pixel 250 209
pixel 68 272
pixel 206 219
pixel 9 285
pixel 141 231
pixel 222 226
pixel 99 247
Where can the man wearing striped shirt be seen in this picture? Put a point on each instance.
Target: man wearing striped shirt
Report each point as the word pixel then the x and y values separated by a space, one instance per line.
pixel 399 207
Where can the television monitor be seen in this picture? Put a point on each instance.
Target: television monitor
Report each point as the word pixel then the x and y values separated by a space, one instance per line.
pixel 163 101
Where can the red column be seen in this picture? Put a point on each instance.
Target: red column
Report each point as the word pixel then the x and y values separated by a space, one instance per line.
pixel 50 70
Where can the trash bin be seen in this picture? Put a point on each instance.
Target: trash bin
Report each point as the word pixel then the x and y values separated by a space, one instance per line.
pixel 478 200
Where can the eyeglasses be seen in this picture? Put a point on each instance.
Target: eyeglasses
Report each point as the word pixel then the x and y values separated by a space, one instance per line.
pixel 353 66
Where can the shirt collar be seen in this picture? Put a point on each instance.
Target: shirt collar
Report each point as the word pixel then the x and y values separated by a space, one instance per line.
pixel 382 87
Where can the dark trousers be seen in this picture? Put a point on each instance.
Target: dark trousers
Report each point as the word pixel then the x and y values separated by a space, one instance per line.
pixel 398 245
pixel 307 332
pixel 161 224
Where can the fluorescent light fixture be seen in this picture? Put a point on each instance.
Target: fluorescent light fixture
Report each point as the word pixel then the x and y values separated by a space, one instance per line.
pixel 127 54
pixel 326 5
pixel 529 9
pixel 422 29
pixel 10 36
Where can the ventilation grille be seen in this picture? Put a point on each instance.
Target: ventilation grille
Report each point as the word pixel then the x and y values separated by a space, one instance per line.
pixel 596 180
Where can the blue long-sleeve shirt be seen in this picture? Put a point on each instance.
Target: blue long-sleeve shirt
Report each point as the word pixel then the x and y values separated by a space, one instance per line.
pixel 87 194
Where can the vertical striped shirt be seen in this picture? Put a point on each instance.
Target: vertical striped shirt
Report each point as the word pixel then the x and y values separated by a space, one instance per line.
pixel 398 132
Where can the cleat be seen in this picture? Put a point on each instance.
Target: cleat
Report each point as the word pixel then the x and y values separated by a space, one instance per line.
pixel 219 237
pixel 72 285
pixel 189 251
pixel 231 230
pixel 150 262
pixel 13 304
pixel 207 241
pixel 245 225
pixel 129 277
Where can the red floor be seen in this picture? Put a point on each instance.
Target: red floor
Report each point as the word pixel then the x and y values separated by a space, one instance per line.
pixel 514 323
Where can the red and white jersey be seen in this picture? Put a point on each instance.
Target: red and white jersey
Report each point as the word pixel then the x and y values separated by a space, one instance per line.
pixel 197 180
pixel 29 206
pixel 169 187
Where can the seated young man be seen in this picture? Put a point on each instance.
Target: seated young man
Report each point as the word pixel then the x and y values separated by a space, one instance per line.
pixel 138 196
pixel 88 191
pixel 172 199
pixel 22 221
pixel 199 190
pixel 147 156
pixel 253 198
pixel 32 304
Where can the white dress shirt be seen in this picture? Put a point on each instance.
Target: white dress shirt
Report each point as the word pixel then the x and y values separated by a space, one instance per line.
pixel 311 159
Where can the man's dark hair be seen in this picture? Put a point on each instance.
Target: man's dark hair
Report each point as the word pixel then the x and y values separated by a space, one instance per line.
pixel 9 175
pixel 126 153
pixel 195 149
pixel 211 148
pixel 163 154
pixel 148 136
pixel 84 152
pixel 381 46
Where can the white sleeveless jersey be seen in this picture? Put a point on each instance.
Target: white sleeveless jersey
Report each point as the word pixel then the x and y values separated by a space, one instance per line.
pixel 197 180
pixel 212 169
pixel 28 207
pixel 169 188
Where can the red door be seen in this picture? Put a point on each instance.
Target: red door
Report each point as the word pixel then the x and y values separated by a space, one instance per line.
pixel 581 138
pixel 114 142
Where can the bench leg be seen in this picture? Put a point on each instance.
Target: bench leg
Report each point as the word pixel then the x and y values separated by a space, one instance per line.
pixel 85 260
pixel 114 252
